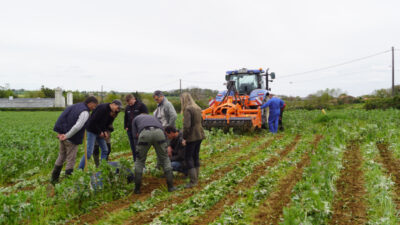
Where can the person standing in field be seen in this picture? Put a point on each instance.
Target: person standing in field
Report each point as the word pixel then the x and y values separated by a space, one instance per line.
pixel 275 104
pixel 133 109
pixel 193 134
pixel 148 131
pixel 165 111
pixel 70 127
pixel 96 150
pixel 97 127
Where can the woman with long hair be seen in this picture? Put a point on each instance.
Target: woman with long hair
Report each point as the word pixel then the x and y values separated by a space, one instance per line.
pixel 193 134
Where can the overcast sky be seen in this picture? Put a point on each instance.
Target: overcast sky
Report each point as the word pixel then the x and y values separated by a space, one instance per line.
pixel 148 45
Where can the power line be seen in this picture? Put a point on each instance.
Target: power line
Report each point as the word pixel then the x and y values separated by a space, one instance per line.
pixel 335 65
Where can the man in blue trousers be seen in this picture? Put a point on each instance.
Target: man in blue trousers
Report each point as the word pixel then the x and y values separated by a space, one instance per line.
pixel 97 128
pixel 275 104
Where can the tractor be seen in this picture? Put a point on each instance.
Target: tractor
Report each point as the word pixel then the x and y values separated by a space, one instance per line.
pixel 238 107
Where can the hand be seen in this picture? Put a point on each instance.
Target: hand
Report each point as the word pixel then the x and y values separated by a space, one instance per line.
pixel 63 137
pixel 106 135
pixel 102 134
pixel 169 151
pixel 126 129
pixel 184 142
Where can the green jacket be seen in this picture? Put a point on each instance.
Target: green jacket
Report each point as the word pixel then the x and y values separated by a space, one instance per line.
pixel 192 127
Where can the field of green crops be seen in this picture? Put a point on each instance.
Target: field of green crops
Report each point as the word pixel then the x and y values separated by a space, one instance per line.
pixel 338 168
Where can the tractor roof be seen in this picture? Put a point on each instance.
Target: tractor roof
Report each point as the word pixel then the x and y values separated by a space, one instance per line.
pixel 244 71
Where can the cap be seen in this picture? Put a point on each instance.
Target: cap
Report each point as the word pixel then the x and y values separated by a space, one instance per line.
pixel 119 103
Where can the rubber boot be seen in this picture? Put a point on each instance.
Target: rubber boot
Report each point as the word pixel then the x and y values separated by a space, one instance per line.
pixel 109 150
pixel 197 173
pixel 193 178
pixel 55 174
pixel 170 181
pixel 138 182
pixel 69 172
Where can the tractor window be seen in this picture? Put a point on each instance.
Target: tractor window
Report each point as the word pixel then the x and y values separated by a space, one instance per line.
pixel 245 83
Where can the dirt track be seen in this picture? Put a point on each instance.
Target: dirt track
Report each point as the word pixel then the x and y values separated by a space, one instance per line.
pixel 272 209
pixel 349 206
pixel 392 166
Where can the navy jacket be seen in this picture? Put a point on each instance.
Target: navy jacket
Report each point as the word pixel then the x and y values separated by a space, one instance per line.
pixel 67 120
pixel 100 120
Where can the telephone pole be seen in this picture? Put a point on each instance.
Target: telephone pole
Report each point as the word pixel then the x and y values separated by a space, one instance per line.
pixel 392 71
pixel 101 94
pixel 180 86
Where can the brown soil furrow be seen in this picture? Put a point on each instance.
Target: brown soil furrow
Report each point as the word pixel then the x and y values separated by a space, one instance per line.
pixel 247 183
pixel 119 204
pixel 148 215
pixel 127 154
pixel 272 209
pixel 392 166
pixel 349 206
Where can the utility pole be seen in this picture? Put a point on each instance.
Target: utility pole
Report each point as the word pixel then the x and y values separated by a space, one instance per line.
pixel 180 86
pixel 392 71
pixel 101 94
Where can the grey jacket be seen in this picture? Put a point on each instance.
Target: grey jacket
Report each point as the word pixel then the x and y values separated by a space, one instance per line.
pixel 142 121
pixel 165 112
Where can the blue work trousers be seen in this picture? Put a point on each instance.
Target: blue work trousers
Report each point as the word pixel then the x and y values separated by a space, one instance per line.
pixel 91 139
pixel 273 121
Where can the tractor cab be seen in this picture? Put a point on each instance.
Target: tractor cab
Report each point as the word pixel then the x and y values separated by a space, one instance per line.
pixel 245 80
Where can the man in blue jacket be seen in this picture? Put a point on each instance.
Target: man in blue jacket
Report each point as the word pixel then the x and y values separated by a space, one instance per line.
pixel 70 127
pixel 275 104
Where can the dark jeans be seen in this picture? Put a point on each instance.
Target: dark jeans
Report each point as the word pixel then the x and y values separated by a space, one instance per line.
pixel 96 153
pixel 132 143
pixel 192 158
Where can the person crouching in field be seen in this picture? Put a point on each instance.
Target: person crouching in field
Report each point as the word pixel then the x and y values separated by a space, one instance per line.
pixel 176 151
pixel 98 124
pixel 193 134
pixel 70 127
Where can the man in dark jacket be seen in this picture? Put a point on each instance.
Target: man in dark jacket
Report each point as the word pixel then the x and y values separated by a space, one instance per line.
pixel 133 109
pixel 97 128
pixel 96 150
pixel 70 127
pixel 176 150
pixel 148 131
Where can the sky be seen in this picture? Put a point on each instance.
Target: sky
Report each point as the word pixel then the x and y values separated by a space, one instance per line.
pixel 148 45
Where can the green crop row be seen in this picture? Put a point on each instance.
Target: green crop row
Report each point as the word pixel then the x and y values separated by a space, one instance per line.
pixel 242 210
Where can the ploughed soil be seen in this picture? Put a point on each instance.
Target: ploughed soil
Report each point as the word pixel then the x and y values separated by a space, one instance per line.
pixel 149 184
pixel 247 183
pixel 349 206
pixel 392 166
pixel 272 209
pixel 148 215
